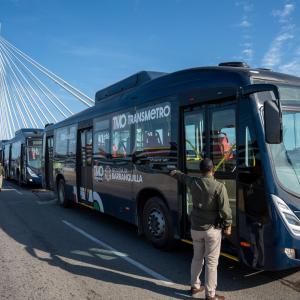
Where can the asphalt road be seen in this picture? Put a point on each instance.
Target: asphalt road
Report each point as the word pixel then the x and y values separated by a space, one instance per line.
pixel 47 252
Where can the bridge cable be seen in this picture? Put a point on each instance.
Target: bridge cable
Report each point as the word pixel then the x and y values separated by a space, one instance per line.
pixel 75 92
pixel 15 83
pixel 40 84
pixel 5 102
pixel 25 90
pixel 29 92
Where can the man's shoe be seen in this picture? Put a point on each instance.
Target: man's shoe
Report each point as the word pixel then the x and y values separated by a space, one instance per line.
pixel 195 291
pixel 216 297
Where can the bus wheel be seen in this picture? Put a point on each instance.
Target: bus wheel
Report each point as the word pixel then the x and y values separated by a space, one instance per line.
pixel 157 223
pixel 61 194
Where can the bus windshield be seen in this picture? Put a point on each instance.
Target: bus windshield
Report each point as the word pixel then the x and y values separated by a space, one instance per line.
pixel 34 152
pixel 286 156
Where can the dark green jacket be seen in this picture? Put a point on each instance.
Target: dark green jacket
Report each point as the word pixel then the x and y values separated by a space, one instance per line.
pixel 1 171
pixel 210 201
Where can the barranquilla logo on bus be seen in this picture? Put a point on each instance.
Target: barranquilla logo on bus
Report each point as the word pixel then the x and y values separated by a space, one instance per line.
pixel 123 120
pixel 106 173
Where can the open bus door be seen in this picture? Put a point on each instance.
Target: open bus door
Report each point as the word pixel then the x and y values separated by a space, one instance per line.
pixel 209 131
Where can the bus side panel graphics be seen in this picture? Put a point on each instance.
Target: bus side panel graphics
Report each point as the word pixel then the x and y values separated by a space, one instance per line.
pixel 109 184
pixel 89 197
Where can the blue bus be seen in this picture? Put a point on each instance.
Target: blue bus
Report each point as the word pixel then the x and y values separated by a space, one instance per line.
pixel 22 156
pixel 116 156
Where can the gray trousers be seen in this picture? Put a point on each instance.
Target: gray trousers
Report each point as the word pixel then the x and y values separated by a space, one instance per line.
pixel 1 181
pixel 207 246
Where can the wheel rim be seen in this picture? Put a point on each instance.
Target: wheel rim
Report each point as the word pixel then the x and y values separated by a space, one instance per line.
pixel 156 223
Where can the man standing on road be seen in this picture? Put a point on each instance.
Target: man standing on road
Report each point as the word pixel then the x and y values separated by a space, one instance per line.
pixel 210 213
pixel 1 176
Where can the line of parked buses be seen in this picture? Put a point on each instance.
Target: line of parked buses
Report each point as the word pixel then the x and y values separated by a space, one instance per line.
pixel 115 157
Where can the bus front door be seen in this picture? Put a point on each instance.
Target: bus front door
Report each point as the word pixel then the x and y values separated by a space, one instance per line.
pixel 209 131
pixel 85 181
pixel 194 137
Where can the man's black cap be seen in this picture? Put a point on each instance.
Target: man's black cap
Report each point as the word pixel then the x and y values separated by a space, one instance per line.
pixel 206 165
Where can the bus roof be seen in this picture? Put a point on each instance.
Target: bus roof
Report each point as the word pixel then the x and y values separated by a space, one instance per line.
pixel 24 133
pixel 146 86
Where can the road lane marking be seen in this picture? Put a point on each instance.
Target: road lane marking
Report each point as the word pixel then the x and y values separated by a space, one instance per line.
pixel 254 273
pixel 46 202
pixel 20 193
pixel 121 255
pixel 17 191
pixel 184 295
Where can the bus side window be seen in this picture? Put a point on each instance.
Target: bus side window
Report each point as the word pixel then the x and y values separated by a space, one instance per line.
pixel 72 140
pixel 121 143
pixel 101 141
pixel 154 133
pixel 61 145
pixel 121 140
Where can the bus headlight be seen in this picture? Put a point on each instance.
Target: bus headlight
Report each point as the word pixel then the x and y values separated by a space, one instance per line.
pixel 291 253
pixel 290 219
pixel 31 173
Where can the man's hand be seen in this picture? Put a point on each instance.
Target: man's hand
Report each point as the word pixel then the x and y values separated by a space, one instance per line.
pixel 227 231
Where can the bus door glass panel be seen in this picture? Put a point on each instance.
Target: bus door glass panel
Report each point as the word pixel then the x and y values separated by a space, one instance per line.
pixel 86 150
pixel 194 133
pixel 223 150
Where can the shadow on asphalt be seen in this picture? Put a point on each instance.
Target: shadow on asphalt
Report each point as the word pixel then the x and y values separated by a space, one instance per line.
pixel 33 235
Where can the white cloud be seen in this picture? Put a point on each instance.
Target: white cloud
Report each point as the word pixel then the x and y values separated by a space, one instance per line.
pixel 245 24
pixel 248 52
pixel 273 57
pixel 285 13
pixel 292 67
pixel 286 36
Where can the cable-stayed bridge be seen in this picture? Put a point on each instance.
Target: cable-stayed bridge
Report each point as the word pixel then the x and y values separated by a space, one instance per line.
pixel 31 95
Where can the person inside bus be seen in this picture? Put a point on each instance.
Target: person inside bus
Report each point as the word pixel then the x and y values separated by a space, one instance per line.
pixel 1 176
pixel 210 213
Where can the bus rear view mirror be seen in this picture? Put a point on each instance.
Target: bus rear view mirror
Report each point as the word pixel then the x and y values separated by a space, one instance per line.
pixel 273 123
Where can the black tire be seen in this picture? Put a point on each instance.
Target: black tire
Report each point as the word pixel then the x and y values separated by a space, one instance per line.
pixel 157 224
pixel 61 194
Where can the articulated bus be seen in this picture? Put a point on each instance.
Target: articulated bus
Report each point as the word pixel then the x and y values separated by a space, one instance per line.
pixel 23 156
pixel 116 156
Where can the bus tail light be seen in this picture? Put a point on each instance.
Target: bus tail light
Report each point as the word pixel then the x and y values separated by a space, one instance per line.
pixel 289 218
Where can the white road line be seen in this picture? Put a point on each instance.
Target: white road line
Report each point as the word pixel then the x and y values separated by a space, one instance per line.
pixel 184 295
pixel 121 255
pixel 17 191
pixel 46 202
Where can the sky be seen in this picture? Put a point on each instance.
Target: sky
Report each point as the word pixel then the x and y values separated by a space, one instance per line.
pixel 92 44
